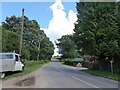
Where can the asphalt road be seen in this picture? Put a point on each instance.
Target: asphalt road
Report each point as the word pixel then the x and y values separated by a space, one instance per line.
pixel 55 75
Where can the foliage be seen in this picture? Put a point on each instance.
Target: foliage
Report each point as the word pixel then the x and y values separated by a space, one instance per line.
pixel 0 39
pixel 36 45
pixel 67 47
pixel 97 32
pixel 104 74
pixel 33 62
pixel 47 49
pixel 10 39
pixel 73 62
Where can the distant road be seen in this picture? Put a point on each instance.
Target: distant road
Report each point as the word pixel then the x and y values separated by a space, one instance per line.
pixel 56 75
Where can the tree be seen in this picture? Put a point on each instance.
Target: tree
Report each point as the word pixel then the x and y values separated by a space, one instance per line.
pixel 10 42
pixel 31 38
pixel 46 49
pixel 96 31
pixel 97 23
pixel 0 39
pixel 85 29
pixel 67 47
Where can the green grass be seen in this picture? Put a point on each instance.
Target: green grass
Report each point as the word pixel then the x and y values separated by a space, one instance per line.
pixel 62 62
pixel 104 74
pixel 30 66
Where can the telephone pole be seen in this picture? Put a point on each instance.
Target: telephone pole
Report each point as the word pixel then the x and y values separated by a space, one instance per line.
pixel 21 36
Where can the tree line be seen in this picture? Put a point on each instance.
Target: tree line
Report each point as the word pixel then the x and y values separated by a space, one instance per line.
pixel 96 33
pixel 36 45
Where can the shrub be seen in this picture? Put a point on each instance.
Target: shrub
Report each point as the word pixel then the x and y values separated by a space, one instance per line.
pixel 34 62
pixel 72 62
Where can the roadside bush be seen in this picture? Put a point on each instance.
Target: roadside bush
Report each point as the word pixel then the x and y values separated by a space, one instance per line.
pixel 93 66
pixel 103 66
pixel 72 62
pixel 85 64
pixel 33 62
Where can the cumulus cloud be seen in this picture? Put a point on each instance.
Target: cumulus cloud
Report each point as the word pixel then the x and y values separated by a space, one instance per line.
pixel 61 23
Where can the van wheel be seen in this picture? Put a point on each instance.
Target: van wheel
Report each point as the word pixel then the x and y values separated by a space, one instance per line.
pixel 2 75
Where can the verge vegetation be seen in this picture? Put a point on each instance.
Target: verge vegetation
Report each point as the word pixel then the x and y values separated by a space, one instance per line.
pixel 104 74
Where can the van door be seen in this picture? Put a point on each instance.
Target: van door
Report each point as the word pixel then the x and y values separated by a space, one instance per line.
pixel 18 64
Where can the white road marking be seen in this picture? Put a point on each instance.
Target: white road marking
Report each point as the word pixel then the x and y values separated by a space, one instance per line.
pixel 85 82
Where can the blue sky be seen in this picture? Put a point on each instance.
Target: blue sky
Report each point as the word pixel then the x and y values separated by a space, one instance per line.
pixel 55 18
pixel 39 11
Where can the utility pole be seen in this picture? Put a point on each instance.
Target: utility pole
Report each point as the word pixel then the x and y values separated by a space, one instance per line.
pixel 20 49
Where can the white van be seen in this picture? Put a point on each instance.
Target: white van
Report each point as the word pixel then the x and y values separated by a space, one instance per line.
pixel 10 62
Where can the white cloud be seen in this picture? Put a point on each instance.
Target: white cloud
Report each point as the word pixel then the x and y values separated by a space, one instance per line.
pixel 60 24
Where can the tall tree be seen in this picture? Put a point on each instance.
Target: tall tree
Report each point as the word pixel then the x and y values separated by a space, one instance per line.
pixel 67 47
pixel 97 32
pixel 32 36
pixel 97 24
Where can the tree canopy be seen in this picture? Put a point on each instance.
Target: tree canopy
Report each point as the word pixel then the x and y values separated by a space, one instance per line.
pixel 67 47
pixel 96 31
pixel 35 42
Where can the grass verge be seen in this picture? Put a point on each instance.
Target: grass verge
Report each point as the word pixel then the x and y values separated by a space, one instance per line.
pixel 30 66
pixel 104 74
pixel 66 64
pixel 62 62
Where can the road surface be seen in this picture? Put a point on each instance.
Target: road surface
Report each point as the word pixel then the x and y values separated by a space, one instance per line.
pixel 55 75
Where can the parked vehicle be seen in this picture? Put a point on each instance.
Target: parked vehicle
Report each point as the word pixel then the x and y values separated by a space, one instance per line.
pixel 10 62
